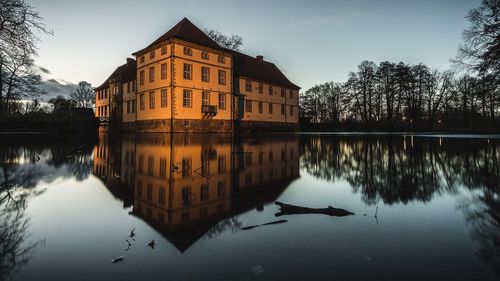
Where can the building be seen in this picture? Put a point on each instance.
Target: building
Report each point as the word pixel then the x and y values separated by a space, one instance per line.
pixel 186 82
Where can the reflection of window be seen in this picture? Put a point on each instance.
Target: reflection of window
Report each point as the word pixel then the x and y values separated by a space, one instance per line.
pixel 151 165
pixel 261 176
pixel 282 155
pixel 220 208
pixel 248 179
pixel 141 164
pixel 186 167
pixel 185 216
pixel 282 109
pixel 163 167
pixel 271 156
pixel 221 189
pixel 221 164
pixel 149 192
pixel 204 212
pixel 161 195
pixel 205 164
pixel 186 196
pixel 270 108
pixel 139 188
pixel 248 159
pixel 261 157
pixel 204 192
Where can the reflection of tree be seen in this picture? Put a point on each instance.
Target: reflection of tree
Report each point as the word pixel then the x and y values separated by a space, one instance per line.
pixel 395 169
pixel 15 251
pixel 230 224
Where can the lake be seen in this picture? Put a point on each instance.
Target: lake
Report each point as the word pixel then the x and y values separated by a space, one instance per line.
pixel 403 207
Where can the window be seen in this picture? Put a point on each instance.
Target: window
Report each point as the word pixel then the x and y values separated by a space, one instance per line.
pixel 133 85
pixel 282 109
pixel 151 55
pixel 186 98
pixel 128 87
pixel 248 106
pixel 221 59
pixel 188 51
pixel 152 74
pixel 187 71
pixel 142 59
pixel 261 88
pixel 270 108
pixel 205 74
pixel 271 156
pixel 222 101
pixel 205 98
pixel 164 71
pixel 163 97
pixel 141 77
pixel 151 100
pixel 222 77
pixel 204 55
pixel 133 106
pixel 291 94
pixel 186 200
pixel 270 90
pixel 141 101
pixel 291 109
pixel 283 90
pixel 260 106
pixel 248 85
pixel 164 50
pixel 128 106
pixel 141 164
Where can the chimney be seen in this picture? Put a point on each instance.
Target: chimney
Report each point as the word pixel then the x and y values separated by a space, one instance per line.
pixel 259 58
pixel 129 61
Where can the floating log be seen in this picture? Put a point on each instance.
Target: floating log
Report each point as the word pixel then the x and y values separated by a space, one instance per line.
pixel 118 259
pixel 287 209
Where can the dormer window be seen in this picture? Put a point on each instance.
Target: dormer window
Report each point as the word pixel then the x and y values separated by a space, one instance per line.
pixel 221 59
pixel 188 51
pixel 204 55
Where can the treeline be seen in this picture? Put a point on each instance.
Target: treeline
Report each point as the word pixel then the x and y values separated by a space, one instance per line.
pixel 402 96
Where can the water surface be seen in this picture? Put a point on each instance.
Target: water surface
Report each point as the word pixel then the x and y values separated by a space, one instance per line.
pixel 426 207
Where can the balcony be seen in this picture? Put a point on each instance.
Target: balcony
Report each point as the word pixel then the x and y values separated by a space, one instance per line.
pixel 209 109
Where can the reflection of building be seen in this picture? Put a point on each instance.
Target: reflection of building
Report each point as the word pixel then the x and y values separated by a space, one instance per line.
pixel 183 185
pixel 184 81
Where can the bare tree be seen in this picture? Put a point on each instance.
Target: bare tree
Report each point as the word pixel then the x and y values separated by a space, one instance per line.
pixel 20 28
pixel 84 95
pixel 481 48
pixel 233 42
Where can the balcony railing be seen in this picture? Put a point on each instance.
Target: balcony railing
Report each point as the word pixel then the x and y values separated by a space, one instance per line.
pixel 209 109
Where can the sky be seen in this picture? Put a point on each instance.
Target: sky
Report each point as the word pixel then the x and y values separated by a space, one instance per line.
pixel 311 41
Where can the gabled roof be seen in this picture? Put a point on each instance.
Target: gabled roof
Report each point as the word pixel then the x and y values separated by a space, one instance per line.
pixel 187 31
pixel 259 69
pixel 126 72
